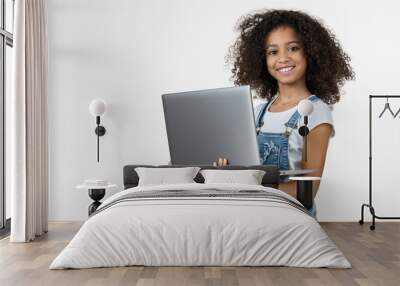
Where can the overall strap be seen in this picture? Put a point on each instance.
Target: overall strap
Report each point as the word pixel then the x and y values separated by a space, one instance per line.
pixel 313 98
pixel 260 116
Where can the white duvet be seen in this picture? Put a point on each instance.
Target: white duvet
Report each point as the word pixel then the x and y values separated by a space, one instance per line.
pixel 199 231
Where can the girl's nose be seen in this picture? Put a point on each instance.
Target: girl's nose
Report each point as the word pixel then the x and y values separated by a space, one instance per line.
pixel 283 57
pixel 283 60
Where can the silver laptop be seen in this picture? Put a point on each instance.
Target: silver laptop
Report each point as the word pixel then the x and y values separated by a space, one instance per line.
pixel 207 124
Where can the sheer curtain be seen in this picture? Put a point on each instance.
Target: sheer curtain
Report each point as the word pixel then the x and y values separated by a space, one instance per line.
pixel 27 123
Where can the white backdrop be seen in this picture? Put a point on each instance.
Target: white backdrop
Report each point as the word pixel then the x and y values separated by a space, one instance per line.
pixel 130 52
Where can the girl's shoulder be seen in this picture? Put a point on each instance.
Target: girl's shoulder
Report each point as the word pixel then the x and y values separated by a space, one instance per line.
pixel 322 113
pixel 319 103
pixel 259 103
pixel 257 107
pixel 321 107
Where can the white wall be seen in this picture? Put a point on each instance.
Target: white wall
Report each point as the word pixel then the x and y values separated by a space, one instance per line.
pixel 130 52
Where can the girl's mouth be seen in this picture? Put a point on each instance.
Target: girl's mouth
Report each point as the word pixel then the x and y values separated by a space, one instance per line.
pixel 285 70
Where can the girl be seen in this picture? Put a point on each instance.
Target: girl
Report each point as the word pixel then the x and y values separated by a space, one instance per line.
pixel 287 56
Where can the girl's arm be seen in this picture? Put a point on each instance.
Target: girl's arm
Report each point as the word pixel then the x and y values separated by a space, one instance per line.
pixel 317 141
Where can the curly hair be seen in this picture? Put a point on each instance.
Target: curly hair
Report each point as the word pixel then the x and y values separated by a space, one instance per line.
pixel 327 64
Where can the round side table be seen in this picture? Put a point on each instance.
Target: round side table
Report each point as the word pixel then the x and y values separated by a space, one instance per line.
pixel 304 187
pixel 96 193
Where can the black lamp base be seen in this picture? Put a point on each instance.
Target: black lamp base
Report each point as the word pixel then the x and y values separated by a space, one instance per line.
pixel 100 130
pixel 96 195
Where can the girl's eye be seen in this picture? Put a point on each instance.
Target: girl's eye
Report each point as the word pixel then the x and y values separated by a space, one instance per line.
pixel 292 49
pixel 272 52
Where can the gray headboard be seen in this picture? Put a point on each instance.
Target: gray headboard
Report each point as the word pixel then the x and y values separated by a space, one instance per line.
pixel 270 179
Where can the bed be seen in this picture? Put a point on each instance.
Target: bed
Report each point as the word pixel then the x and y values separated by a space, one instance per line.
pixel 198 224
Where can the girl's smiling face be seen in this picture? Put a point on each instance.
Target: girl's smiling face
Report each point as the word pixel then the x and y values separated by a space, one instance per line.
pixel 286 61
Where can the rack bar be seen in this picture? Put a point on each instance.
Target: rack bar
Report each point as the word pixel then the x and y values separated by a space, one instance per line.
pixel 369 205
pixel 384 96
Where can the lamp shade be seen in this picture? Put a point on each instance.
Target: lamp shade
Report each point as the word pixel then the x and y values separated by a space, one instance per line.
pixel 305 107
pixel 97 107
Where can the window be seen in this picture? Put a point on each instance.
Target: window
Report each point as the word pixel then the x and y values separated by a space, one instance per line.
pixel 6 44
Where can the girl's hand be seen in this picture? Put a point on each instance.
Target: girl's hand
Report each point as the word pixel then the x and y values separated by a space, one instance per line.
pixel 221 162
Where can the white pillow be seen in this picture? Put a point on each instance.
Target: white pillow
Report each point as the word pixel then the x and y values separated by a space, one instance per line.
pixel 248 177
pixel 164 176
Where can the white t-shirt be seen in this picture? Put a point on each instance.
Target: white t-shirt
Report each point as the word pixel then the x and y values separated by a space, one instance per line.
pixel 274 123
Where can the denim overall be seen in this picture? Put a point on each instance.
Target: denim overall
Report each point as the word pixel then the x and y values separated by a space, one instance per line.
pixel 274 147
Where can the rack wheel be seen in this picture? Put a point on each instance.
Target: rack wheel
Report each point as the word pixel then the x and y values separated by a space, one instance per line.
pixel 372 227
pixel 361 222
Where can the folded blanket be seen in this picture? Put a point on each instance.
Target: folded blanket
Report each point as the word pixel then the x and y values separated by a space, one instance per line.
pixel 201 224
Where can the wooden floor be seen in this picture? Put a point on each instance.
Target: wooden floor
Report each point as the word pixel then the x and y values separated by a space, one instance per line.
pixel 374 255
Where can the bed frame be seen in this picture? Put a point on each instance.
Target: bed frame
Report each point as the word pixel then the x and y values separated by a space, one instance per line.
pixel 270 179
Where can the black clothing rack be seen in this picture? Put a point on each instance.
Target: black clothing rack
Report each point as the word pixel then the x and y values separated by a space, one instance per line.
pixel 369 205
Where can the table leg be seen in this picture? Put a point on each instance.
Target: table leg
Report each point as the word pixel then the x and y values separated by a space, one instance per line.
pixel 304 193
